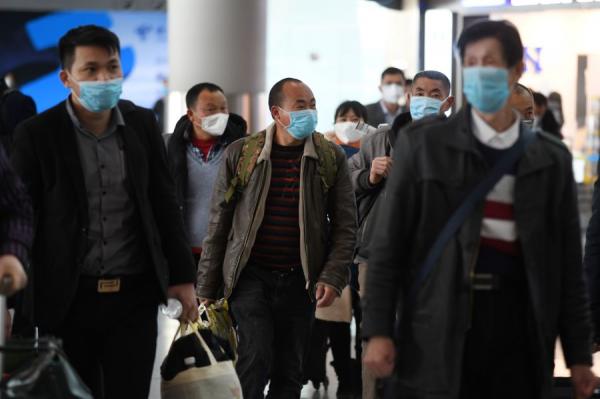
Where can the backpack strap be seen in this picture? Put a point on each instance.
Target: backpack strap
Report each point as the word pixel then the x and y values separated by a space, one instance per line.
pixel 245 166
pixel 253 147
pixel 327 161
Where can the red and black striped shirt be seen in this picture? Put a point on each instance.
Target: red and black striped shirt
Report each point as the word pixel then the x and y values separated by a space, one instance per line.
pixel 277 244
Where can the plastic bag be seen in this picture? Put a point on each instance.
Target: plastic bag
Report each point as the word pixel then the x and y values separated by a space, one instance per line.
pixel 216 318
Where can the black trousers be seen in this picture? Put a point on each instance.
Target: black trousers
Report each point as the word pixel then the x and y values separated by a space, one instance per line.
pixel 339 337
pixel 273 313
pixel 110 338
pixel 499 357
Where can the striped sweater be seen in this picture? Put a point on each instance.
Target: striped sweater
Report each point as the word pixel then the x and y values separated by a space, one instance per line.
pixel 277 244
pixel 499 250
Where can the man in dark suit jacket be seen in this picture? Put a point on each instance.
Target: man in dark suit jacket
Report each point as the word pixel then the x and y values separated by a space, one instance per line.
pixel 109 239
pixel 392 88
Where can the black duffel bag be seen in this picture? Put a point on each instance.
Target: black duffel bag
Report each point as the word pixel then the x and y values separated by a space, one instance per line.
pixel 39 369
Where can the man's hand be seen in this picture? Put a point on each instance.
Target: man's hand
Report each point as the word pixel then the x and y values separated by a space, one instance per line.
pixel 12 269
pixel 186 294
pixel 380 168
pixel 584 381
pixel 206 301
pixel 380 356
pixel 325 295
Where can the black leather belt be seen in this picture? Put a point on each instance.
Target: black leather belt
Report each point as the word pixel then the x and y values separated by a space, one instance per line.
pixel 112 284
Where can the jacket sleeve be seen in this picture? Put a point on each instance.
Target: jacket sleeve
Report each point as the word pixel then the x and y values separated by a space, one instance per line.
pixel 360 168
pixel 166 211
pixel 16 220
pixel 341 208
pixel 210 268
pixel 574 320
pixel 390 245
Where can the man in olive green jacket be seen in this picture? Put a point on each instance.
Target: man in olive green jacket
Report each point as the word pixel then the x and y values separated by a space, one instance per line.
pixel 281 235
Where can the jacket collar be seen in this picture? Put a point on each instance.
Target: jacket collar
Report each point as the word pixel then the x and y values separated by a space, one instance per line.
pixel 535 157
pixel 309 145
pixel 463 139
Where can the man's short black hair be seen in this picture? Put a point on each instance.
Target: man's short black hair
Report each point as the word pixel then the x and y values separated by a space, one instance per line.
pixel 393 71
pixel 520 89
pixel 503 31
pixel 354 106
pixel 86 35
pixel 276 92
pixel 191 96
pixel 539 99
pixel 434 75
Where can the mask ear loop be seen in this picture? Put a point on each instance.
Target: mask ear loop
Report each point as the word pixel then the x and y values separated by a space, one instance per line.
pixel 198 120
pixel 442 105
pixel 281 109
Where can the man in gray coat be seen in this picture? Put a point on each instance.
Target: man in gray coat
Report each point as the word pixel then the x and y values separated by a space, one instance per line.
pixel 370 167
pixel 484 322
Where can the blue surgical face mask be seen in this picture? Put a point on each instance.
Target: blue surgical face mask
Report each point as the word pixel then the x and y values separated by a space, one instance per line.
pixel 302 123
pixel 486 88
pixel 101 95
pixel 421 106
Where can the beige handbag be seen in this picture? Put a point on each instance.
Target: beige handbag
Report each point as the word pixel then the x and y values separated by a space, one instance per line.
pixel 340 310
pixel 218 380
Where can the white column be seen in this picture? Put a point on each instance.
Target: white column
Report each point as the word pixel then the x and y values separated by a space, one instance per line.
pixel 218 41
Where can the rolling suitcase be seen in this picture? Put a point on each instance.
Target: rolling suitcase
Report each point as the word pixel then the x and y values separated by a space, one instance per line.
pixel 36 368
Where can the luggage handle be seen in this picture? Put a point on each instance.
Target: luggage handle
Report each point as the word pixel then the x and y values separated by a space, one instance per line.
pixel 5 281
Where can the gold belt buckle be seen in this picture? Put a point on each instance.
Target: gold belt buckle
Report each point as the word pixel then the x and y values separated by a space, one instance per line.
pixel 107 286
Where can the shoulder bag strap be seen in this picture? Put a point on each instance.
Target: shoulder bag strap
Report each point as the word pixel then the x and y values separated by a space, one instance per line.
pixel 467 206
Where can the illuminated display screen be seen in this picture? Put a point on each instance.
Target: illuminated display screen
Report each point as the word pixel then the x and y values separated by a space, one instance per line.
pixel 29 51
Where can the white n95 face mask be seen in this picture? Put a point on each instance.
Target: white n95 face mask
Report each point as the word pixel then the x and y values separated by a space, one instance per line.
pixel 392 93
pixel 214 124
pixel 350 132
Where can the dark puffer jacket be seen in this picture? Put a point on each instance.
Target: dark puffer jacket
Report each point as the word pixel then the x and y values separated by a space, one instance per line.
pixel 177 142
